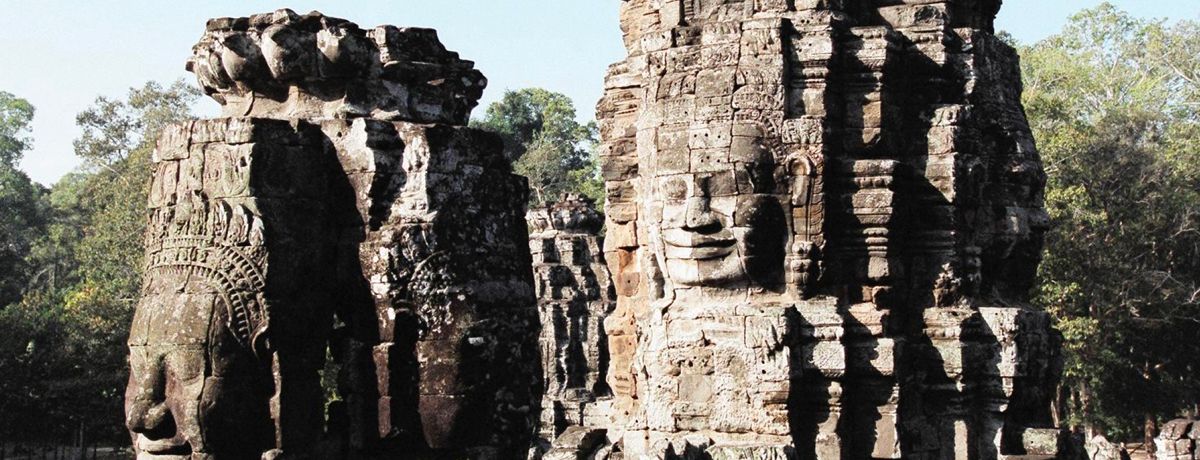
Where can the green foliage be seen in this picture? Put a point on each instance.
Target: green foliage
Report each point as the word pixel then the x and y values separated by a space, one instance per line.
pixel 548 145
pixel 1113 101
pixel 15 116
pixel 114 129
pixel 21 200
pixel 65 359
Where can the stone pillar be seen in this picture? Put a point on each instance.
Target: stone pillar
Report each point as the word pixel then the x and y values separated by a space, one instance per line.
pixel 824 218
pixel 575 295
pixel 340 208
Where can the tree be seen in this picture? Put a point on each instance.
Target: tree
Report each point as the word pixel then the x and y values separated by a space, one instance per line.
pixel 1114 102
pixel 64 360
pixel 15 116
pixel 21 217
pixel 548 145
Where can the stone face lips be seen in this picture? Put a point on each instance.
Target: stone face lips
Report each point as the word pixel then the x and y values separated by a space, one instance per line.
pixel 283 65
pixel 391 238
pixel 823 219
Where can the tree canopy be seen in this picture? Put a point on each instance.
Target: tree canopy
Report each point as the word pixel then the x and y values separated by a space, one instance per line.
pixel 546 142
pixel 63 351
pixel 1114 102
pixel 20 199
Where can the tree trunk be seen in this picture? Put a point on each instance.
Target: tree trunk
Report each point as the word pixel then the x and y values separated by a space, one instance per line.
pixel 1085 407
pixel 82 444
pixel 1149 429
pixel 1057 410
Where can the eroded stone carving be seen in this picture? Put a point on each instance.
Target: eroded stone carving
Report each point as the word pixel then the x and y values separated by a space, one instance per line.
pixel 823 218
pixel 227 337
pixel 343 207
pixel 283 65
pixel 575 295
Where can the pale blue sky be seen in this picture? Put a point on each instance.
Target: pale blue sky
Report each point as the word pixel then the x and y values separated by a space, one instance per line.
pixel 61 54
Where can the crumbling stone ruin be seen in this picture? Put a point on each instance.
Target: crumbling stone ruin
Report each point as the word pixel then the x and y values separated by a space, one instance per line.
pixel 575 294
pixel 1099 448
pixel 1178 440
pixel 340 204
pixel 823 219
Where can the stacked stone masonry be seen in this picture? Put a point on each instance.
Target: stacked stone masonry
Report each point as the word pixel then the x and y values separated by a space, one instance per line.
pixel 575 294
pixel 341 207
pixel 823 219
pixel 1178 440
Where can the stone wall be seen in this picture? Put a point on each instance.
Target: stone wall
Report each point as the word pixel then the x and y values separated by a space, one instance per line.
pixel 343 207
pixel 823 218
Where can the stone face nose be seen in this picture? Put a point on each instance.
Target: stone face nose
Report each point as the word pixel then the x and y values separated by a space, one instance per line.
pixel 699 214
pixel 151 418
pixel 146 410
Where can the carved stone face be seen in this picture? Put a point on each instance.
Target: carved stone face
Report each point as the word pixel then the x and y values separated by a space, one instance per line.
pixel 194 392
pixel 718 223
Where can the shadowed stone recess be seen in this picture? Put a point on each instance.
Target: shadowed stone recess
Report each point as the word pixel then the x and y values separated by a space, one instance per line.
pixel 341 209
pixel 823 220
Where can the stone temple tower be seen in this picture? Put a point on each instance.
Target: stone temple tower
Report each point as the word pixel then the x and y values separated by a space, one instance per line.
pixel 823 219
pixel 341 208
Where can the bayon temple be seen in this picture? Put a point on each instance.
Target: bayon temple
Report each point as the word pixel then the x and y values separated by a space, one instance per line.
pixel 822 221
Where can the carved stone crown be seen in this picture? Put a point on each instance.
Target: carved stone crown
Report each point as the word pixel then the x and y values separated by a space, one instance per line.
pixel 283 65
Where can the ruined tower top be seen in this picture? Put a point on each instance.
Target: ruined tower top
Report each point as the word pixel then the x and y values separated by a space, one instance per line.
pixel 284 65
pixel 573 213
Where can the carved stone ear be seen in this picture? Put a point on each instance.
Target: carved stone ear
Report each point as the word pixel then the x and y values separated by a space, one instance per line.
pixel 260 343
pixel 655 278
pixel 802 172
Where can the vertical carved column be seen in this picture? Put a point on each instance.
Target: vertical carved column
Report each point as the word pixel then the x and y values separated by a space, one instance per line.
pixel 575 296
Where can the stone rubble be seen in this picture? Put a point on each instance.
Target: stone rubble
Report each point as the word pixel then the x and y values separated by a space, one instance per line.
pixel 1099 448
pixel 1178 440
